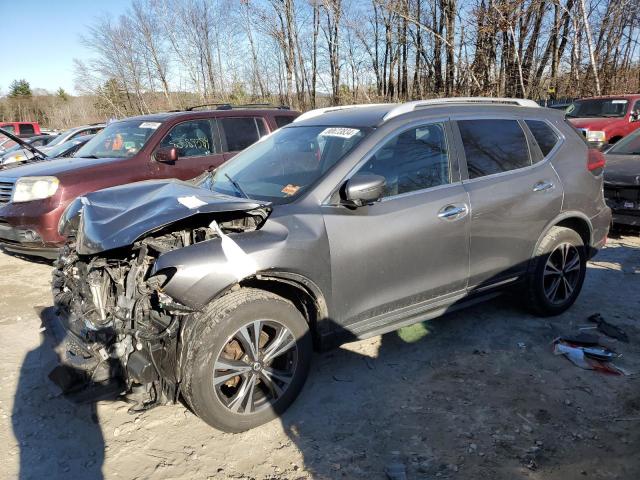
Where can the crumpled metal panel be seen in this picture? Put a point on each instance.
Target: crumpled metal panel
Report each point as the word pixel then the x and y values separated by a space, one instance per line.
pixel 118 216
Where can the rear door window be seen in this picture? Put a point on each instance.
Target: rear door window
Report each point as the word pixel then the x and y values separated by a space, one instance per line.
pixel 241 132
pixel 9 128
pixel 192 139
pixel 546 137
pixel 26 129
pixel 493 146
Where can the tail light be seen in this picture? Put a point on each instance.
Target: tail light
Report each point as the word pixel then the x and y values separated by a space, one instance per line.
pixel 595 161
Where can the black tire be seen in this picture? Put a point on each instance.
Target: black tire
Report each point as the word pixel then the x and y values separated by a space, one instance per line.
pixel 542 278
pixel 208 335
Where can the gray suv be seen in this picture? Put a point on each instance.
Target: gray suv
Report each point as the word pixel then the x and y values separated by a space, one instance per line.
pixel 350 222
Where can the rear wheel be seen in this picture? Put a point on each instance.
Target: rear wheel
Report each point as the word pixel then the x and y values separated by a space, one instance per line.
pixel 247 358
pixel 558 272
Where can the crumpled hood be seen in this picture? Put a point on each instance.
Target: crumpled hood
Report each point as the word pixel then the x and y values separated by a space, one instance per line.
pixel 118 216
pixel 622 170
pixel 594 123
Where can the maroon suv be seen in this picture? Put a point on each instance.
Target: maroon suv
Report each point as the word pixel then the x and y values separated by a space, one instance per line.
pixel 179 145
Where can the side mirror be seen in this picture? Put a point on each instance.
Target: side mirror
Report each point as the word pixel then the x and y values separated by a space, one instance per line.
pixel 166 155
pixel 635 116
pixel 364 188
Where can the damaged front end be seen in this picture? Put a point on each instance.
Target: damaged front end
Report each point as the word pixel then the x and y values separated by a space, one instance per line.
pixel 116 331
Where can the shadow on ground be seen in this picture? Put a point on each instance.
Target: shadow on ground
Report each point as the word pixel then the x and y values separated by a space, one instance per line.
pixel 58 439
pixel 478 394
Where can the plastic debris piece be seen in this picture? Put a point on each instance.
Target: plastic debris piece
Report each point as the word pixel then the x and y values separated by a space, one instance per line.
pixel 588 358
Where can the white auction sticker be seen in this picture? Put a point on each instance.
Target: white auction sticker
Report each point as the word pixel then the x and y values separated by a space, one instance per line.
pixel 619 101
pixel 151 125
pixel 191 202
pixel 339 132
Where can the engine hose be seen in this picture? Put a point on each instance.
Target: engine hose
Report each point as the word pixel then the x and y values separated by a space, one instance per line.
pixel 167 332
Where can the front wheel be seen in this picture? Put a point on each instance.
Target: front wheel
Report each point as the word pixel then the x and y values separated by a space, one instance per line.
pixel 247 357
pixel 559 268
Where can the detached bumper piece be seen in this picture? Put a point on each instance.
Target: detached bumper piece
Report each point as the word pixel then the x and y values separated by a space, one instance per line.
pixel 624 202
pixel 84 374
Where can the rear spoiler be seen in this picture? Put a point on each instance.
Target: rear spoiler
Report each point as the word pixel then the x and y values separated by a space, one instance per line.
pixel 24 144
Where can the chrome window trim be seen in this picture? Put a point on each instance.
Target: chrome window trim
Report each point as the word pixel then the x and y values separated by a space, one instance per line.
pixel 457 183
pixel 383 141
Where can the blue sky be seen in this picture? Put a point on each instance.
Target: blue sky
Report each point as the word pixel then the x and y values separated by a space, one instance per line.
pixel 41 39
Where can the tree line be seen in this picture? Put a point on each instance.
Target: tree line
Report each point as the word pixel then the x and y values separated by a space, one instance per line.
pixel 168 54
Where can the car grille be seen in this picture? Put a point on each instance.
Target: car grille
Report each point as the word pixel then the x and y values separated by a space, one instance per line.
pixel 6 189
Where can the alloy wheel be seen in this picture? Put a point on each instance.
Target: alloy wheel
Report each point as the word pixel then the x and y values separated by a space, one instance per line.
pixel 561 273
pixel 255 367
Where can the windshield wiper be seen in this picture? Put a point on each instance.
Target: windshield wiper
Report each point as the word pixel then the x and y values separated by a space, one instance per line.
pixel 237 186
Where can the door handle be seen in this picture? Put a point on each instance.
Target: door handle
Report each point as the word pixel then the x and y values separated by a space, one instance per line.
pixel 542 186
pixel 453 212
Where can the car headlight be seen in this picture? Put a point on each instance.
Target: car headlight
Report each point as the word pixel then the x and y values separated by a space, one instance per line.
pixel 34 188
pixel 596 136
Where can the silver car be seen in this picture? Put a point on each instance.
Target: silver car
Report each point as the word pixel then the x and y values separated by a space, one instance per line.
pixel 350 222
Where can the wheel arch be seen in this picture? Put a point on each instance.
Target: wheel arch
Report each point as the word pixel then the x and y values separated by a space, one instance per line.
pixel 574 220
pixel 302 292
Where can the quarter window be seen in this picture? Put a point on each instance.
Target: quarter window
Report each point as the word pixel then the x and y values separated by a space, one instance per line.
pixel 414 160
pixel 242 132
pixel 192 139
pixel 545 136
pixel 493 146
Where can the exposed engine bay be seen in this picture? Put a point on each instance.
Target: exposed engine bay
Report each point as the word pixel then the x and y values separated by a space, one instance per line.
pixel 121 330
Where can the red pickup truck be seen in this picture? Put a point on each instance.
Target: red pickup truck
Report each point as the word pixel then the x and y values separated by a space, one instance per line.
pixel 21 129
pixel 605 120
pixel 182 145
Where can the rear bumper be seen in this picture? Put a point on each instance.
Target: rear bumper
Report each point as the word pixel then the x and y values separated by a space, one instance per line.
pixel 626 217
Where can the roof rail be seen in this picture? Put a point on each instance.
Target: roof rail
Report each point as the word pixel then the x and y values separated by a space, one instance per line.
pixel 411 106
pixel 230 106
pixel 319 111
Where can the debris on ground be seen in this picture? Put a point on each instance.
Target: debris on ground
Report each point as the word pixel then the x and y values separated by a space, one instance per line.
pixel 609 329
pixel 587 355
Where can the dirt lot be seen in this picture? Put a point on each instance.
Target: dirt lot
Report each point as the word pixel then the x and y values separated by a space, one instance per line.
pixel 476 394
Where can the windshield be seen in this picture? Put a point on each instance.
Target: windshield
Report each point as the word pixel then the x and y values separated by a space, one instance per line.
pixel 629 145
pixel 119 140
pixel 616 107
pixel 284 164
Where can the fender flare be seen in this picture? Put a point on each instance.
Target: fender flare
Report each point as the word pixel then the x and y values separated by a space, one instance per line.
pixel 569 214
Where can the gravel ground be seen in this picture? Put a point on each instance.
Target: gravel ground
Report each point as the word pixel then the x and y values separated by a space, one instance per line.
pixel 475 394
